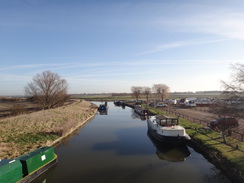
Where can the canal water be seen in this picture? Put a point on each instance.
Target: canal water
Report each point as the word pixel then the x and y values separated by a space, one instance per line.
pixel 116 147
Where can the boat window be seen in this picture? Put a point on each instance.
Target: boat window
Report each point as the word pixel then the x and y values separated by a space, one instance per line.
pixel 163 122
pixel 172 122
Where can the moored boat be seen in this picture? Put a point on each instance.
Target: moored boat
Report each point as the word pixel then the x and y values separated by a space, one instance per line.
pixel 27 167
pixel 167 129
pixel 141 111
pixel 102 107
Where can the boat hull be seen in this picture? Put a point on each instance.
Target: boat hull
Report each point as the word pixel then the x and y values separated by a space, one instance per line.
pixel 39 171
pixel 141 111
pixel 27 167
pixel 166 134
pixel 167 139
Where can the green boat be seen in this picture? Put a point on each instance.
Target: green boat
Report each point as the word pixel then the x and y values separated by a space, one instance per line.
pixel 27 167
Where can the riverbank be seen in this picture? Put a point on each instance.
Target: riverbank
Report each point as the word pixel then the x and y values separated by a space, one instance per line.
pixel 23 133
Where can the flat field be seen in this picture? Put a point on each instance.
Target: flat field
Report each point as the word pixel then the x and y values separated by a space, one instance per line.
pixel 8 108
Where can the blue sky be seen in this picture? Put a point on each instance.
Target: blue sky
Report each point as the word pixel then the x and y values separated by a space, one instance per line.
pixel 109 46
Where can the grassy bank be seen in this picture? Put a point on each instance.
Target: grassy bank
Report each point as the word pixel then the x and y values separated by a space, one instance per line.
pixel 228 156
pixel 23 133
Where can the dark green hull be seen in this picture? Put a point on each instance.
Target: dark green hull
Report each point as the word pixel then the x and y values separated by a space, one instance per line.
pixel 38 172
pixel 27 167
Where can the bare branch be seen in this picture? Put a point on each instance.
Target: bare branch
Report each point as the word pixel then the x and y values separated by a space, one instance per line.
pixel 48 89
pixel 136 91
pixel 162 90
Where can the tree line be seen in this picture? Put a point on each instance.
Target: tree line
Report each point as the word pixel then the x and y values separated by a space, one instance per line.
pixel 162 90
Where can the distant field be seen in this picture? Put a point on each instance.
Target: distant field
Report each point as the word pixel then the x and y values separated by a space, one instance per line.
pixel 111 97
pixel 8 105
pixel 5 106
pixel 195 95
pixel 11 107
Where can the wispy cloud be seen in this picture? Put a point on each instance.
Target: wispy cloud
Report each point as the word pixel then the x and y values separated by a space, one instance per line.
pixel 29 66
pixel 163 47
pixel 172 45
pixel 49 66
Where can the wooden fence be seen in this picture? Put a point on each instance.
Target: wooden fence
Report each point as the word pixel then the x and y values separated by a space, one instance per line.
pixel 237 135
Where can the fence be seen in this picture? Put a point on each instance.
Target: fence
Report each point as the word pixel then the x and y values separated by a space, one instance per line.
pixel 237 135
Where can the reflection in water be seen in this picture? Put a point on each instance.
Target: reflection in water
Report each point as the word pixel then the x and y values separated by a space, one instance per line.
pixel 103 112
pixel 135 115
pixel 46 176
pixel 127 142
pixel 170 152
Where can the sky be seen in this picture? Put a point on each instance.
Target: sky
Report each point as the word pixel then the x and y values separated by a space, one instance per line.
pixel 103 46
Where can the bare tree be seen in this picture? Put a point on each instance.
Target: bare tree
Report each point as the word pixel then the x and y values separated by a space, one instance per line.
pixel 162 90
pixel 232 103
pixel 147 92
pixel 222 110
pixel 136 91
pixel 234 91
pixel 47 89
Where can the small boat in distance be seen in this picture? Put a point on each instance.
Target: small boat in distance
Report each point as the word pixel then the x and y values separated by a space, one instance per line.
pixel 27 167
pixel 102 107
pixel 140 110
pixel 167 129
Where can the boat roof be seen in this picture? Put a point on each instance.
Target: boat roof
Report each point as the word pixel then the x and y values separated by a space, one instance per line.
pixel 5 161
pixel 165 117
pixel 35 152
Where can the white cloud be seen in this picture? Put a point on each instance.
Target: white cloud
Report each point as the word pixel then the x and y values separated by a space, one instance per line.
pixel 223 23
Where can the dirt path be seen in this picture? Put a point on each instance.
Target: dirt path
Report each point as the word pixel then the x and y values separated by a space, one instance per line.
pixel 204 115
pixel 195 113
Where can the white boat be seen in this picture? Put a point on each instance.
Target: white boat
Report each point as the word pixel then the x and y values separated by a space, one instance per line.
pixel 166 129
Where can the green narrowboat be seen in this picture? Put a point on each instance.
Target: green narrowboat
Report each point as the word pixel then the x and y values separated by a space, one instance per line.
pixel 27 167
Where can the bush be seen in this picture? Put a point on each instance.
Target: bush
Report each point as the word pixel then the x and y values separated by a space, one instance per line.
pixel 18 109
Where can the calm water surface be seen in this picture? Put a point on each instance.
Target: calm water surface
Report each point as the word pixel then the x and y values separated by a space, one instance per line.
pixel 116 148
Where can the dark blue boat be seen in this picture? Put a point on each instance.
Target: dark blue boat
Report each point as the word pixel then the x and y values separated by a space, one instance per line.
pixel 102 107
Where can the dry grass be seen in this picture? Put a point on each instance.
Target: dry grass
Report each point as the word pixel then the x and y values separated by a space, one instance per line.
pixel 26 132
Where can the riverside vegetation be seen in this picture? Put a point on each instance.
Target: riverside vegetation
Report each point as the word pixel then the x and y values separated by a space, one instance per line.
pixel 23 133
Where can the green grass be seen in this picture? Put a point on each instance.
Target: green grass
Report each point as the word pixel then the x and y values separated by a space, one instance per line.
pixel 29 138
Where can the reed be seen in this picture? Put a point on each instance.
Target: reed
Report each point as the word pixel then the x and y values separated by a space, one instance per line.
pixel 20 134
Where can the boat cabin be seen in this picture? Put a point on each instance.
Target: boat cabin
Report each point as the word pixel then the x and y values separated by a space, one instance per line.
pixel 166 121
pixel 102 107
